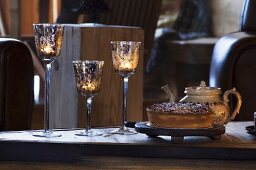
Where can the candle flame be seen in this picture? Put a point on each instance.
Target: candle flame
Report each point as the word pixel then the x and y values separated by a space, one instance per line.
pixel 125 62
pixel 47 49
pixel 91 87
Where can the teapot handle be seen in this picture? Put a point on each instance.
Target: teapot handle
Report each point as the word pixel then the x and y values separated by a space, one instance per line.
pixel 239 101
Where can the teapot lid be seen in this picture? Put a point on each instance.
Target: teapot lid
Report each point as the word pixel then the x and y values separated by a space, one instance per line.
pixel 202 90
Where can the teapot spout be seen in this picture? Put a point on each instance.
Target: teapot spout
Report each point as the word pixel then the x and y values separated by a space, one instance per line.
pixel 169 92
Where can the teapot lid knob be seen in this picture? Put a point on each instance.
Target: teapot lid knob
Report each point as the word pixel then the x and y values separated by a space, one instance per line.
pixel 202 84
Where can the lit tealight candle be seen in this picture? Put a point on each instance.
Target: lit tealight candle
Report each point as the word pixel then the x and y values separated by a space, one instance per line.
pixel 47 49
pixel 126 65
pixel 89 87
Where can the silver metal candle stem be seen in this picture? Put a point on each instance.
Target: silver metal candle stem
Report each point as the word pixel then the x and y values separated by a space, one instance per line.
pixel 47 92
pixel 89 113
pixel 125 92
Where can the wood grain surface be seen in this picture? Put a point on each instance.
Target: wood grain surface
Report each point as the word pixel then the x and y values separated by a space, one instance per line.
pixel 235 144
pixel 107 104
pixel 133 163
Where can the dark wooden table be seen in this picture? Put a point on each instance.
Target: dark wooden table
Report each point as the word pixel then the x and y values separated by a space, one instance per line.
pixel 116 150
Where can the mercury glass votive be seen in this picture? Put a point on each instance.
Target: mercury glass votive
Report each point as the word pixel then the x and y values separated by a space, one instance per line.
pixel 88 76
pixel 125 58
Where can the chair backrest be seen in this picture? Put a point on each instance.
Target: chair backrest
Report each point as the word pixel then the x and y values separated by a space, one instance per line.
pixel 248 19
pixel 234 64
pixel 139 13
pixel 16 85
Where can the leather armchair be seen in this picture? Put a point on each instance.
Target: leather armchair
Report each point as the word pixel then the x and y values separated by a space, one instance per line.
pixel 16 85
pixel 234 62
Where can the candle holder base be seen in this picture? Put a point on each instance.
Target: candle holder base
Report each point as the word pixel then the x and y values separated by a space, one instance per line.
pixel 48 134
pixel 88 133
pixel 124 131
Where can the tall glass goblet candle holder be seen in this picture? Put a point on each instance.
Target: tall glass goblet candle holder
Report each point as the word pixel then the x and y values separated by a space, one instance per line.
pixel 48 39
pixel 125 58
pixel 88 80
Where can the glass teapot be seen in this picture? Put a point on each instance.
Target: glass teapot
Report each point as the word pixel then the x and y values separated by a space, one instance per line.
pixel 212 97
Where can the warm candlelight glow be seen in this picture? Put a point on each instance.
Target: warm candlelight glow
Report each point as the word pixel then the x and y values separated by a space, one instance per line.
pixel 125 62
pixel 48 39
pixel 125 65
pixel 125 57
pixel 89 87
pixel 88 76
pixel 47 49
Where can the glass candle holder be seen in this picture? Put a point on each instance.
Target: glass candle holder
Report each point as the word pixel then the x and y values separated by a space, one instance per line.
pixel 125 58
pixel 48 40
pixel 88 76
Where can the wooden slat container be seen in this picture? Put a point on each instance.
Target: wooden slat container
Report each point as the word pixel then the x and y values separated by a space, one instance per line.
pixel 94 44
pixel 107 105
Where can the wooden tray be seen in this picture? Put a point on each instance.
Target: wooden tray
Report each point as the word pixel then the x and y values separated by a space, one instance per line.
pixel 178 134
pixel 251 130
pixel 235 144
